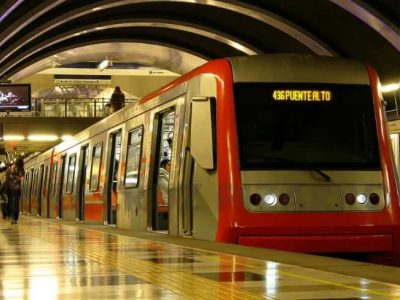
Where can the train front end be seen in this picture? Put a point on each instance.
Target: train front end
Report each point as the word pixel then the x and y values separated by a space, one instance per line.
pixel 310 169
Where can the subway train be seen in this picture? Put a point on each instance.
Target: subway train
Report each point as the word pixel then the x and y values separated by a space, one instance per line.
pixel 281 151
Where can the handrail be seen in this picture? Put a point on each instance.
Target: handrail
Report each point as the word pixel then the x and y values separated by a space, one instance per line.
pixel 68 107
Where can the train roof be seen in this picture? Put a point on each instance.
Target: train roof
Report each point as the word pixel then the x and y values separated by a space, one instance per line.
pixel 281 68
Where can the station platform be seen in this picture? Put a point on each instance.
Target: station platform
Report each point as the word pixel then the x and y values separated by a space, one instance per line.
pixel 50 259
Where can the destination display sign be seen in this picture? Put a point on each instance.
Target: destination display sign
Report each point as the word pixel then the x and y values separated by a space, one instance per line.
pixel 299 95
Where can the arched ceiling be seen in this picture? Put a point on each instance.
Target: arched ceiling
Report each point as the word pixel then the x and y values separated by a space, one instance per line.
pixel 192 31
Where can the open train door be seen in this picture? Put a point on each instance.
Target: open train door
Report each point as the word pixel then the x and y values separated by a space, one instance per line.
pixel 113 165
pixel 162 171
pixel 83 160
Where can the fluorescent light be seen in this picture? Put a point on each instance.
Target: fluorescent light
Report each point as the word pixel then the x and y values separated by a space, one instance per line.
pixel 104 64
pixel 13 137
pixel 66 137
pixel 42 137
pixel 390 87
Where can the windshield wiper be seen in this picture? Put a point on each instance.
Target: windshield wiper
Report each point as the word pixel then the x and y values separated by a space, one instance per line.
pixel 324 176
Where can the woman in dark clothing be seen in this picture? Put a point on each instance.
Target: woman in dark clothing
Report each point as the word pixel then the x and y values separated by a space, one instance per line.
pixel 117 100
pixel 4 192
pixel 15 175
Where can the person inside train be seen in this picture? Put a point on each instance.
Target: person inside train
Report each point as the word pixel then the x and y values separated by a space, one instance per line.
pixel 15 175
pixel 163 182
pixel 117 100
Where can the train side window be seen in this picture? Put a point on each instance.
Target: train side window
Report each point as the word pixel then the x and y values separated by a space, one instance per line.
pixel 133 155
pixel 95 170
pixel 71 173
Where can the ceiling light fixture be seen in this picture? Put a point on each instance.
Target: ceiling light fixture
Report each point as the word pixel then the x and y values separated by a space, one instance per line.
pixel 13 137
pixel 67 137
pixel 390 87
pixel 105 64
pixel 42 138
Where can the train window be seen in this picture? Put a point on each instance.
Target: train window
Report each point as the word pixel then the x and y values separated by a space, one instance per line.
pixel 306 126
pixel 71 173
pixel 95 170
pixel 133 157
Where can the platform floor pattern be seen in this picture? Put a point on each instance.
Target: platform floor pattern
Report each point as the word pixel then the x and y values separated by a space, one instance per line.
pixel 48 260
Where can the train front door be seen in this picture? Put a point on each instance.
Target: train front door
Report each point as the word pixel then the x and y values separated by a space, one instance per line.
pixel 112 180
pixel 81 181
pixel 161 171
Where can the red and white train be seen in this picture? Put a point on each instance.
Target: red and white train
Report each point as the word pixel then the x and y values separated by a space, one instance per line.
pixel 287 152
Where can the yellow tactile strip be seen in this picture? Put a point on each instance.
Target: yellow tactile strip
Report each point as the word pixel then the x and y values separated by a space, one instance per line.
pixel 184 282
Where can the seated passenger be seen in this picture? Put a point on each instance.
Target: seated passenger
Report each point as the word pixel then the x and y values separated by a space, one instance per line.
pixel 163 183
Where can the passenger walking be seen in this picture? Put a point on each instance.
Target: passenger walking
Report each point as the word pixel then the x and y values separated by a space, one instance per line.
pixel 117 100
pixel 3 190
pixel 15 175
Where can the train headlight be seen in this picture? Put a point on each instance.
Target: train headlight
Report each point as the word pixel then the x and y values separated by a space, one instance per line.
pixel 361 198
pixel 270 199
pixel 374 198
pixel 350 198
pixel 255 199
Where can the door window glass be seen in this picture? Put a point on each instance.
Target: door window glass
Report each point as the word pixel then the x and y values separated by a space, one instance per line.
pixel 95 171
pixel 71 173
pixel 133 157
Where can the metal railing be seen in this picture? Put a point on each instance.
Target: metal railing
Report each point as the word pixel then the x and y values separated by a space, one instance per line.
pixel 68 107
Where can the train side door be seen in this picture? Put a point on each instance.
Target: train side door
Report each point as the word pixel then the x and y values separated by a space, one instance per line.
pixel 51 212
pixel 31 191
pixel 161 171
pixel 114 159
pixel 40 187
pixel 61 187
pixel 25 196
pixel 81 181
pixel 45 193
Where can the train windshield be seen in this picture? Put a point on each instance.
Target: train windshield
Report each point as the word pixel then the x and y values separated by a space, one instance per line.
pixel 306 126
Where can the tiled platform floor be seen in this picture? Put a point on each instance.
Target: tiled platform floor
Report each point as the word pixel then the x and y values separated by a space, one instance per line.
pixel 48 260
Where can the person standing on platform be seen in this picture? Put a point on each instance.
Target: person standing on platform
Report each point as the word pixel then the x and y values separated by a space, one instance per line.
pixel 117 100
pixel 15 174
pixel 3 191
